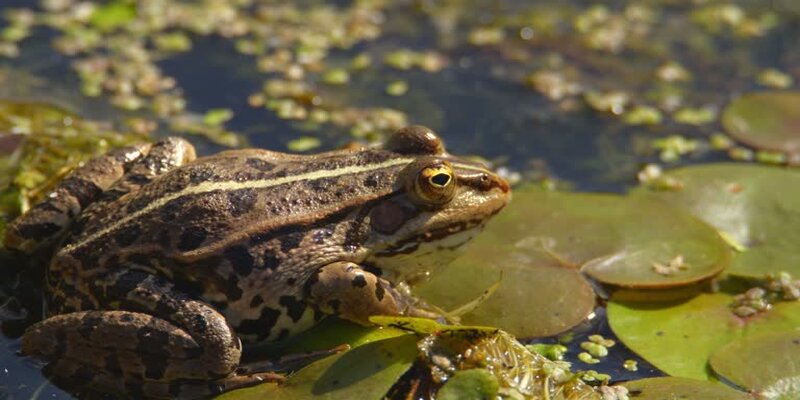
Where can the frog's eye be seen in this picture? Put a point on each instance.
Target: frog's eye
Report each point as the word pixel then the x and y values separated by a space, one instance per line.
pixel 435 184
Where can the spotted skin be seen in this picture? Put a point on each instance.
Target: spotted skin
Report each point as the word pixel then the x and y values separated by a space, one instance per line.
pixel 164 265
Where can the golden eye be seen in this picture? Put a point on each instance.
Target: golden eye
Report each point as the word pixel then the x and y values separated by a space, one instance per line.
pixel 435 184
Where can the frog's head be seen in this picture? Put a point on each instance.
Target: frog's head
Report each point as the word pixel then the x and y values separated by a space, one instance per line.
pixel 441 202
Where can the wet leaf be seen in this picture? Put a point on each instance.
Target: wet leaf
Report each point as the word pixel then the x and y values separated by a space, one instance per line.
pixel 426 326
pixel 470 384
pixel 757 207
pixel 217 116
pixel 767 364
pixel 542 240
pixel 113 15
pixel 304 143
pixel 669 388
pixel 679 337
pixel 366 372
pixel 330 333
pixel 766 120
pixel 533 300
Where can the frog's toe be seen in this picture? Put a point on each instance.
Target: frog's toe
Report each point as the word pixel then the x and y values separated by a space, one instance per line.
pixel 239 381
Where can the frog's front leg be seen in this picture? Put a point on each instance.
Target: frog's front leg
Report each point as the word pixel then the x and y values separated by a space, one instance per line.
pixel 159 343
pixel 347 290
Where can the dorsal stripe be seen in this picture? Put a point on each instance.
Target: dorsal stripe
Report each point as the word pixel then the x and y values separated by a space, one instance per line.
pixel 206 187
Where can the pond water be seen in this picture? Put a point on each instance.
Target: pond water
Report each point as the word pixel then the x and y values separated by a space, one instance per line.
pixel 575 93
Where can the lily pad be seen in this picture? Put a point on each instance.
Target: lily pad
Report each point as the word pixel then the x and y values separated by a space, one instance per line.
pixel 670 388
pixel 330 333
pixel 543 240
pixel 766 120
pixel 366 372
pixel 679 337
pixel 757 207
pixel 425 325
pixel 767 364
pixel 471 384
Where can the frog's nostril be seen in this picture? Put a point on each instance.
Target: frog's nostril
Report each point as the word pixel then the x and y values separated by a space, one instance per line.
pixel 489 182
pixel 503 184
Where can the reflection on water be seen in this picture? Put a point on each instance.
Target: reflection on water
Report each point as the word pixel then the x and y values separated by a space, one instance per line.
pixel 573 91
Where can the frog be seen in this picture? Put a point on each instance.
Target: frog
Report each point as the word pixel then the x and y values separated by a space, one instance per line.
pixel 165 265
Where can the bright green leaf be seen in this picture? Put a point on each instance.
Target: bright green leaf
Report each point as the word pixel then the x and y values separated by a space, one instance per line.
pixel 366 372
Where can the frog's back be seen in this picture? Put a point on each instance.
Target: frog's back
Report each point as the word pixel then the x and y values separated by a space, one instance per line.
pixel 204 208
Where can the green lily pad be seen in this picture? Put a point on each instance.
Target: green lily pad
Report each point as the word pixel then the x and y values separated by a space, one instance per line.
pixel 767 364
pixel 766 120
pixel 424 325
pixel 679 337
pixel 366 372
pixel 328 334
pixel 670 388
pixel 543 240
pixel 471 384
pixel 757 207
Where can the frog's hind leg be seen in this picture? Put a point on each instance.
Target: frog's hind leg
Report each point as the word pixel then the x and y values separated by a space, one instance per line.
pixel 157 337
pixel 122 352
pixel 164 156
pixel 46 222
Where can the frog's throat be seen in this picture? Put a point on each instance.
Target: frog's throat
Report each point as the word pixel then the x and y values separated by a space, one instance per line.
pixel 415 261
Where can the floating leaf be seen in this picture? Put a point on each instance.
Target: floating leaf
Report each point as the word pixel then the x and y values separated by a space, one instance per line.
pixel 471 384
pixel 766 120
pixel 669 388
pixel 113 15
pixel 425 326
pixel 543 239
pixel 330 333
pixel 533 300
pixel 217 116
pixel 679 337
pixel 304 143
pixel 757 207
pixel 767 364
pixel 366 372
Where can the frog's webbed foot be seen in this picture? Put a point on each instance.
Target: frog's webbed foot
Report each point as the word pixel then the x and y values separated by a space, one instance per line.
pixel 121 170
pixel 156 339
pixel 347 290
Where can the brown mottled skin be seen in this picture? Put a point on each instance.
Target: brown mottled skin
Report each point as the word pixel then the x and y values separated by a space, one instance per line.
pixel 163 263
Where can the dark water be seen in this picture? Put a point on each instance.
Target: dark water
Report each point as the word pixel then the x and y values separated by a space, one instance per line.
pixel 477 104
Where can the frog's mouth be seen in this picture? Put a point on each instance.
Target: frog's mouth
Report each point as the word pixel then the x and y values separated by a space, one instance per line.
pixel 448 237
